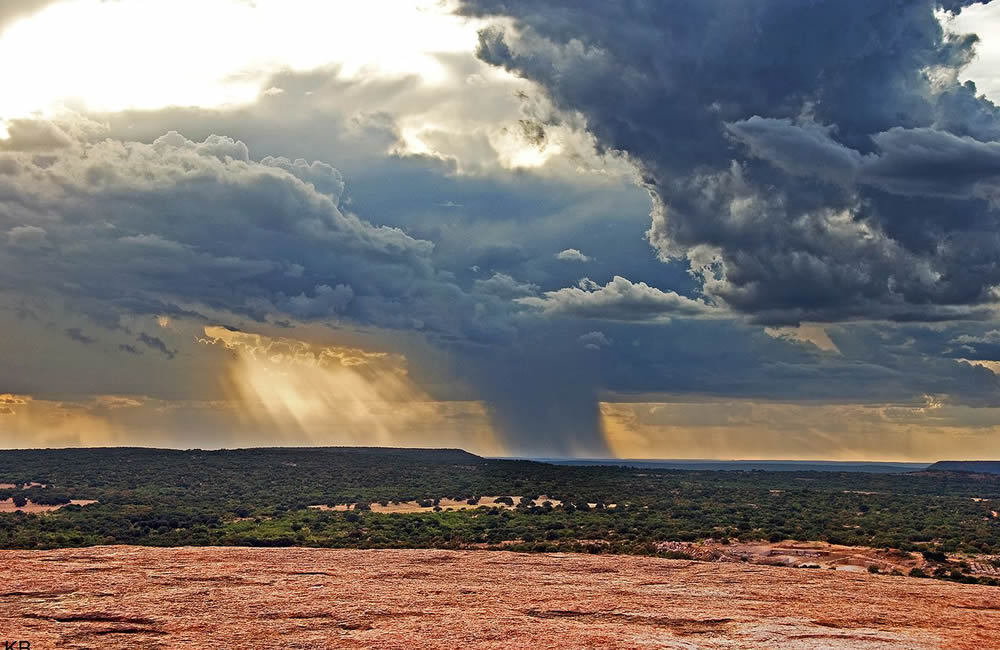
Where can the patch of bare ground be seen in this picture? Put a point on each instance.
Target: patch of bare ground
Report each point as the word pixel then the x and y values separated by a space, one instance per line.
pixel 7 505
pixel 322 598
pixel 407 507
pixel 819 555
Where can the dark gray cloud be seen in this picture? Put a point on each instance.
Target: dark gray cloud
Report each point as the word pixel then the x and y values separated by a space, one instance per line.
pixel 800 149
pixel 921 162
pixel 177 221
pixel 154 343
pixel 931 162
pixel 503 285
pixel 801 157
pixel 76 334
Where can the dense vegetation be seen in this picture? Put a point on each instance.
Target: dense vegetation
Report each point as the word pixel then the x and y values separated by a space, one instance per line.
pixel 260 497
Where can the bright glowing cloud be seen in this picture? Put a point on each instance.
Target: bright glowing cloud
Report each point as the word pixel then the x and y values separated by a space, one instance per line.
pixel 982 19
pixel 92 55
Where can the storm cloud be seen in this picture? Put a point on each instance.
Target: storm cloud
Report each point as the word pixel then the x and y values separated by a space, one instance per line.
pixel 138 225
pixel 801 157
pixel 200 231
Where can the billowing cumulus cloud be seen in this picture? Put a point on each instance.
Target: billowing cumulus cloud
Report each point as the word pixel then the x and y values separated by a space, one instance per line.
pixel 594 340
pixel 34 135
pixel 620 299
pixel 809 161
pixel 908 162
pixel 201 224
pixel 572 255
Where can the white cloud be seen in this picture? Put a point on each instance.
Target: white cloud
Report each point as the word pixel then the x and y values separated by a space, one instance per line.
pixel 982 19
pixel 618 300
pixel 573 255
pixel 993 336
pixel 594 340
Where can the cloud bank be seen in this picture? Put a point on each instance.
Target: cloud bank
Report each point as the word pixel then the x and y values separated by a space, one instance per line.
pixel 809 161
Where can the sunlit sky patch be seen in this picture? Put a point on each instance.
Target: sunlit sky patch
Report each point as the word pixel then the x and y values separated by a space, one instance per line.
pixel 94 55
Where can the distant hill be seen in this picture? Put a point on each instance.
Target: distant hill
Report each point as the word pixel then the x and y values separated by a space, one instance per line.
pixel 979 466
pixel 749 465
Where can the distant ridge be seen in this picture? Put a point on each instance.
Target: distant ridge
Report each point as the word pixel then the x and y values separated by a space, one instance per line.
pixel 748 465
pixel 978 466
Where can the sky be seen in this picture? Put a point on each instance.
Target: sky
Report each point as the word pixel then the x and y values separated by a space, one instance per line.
pixel 673 229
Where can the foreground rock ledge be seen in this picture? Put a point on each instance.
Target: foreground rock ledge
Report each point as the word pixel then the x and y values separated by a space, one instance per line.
pixel 134 597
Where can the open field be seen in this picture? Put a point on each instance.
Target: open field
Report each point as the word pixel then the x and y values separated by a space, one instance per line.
pixel 7 505
pixel 407 507
pixel 128 597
